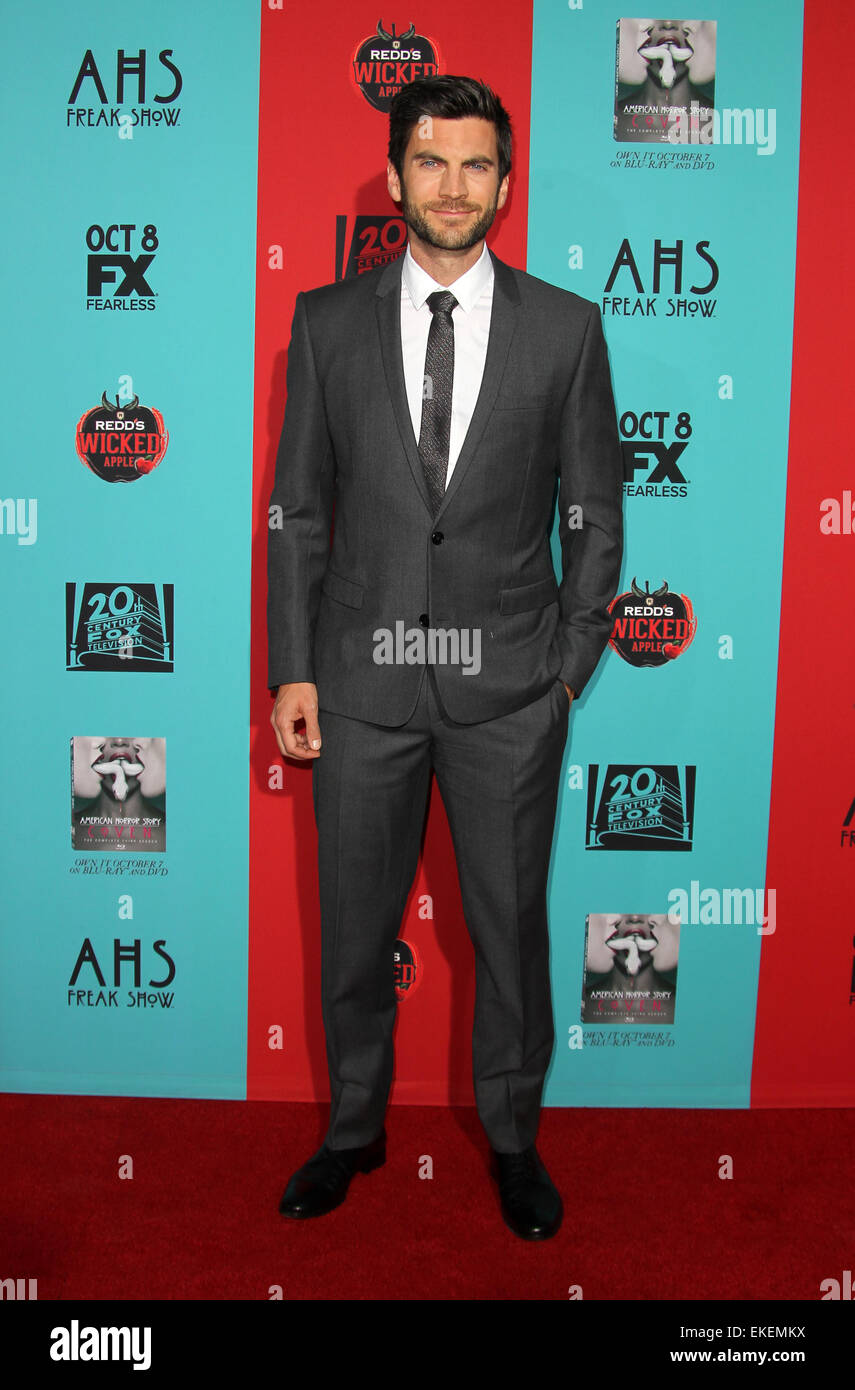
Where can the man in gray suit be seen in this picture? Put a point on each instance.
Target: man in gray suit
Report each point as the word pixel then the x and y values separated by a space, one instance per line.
pixel 435 405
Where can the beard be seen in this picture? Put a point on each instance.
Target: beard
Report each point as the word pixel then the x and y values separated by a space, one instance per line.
pixel 447 238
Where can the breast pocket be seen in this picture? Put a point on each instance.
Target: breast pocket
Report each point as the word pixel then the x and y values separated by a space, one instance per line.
pixel 517 402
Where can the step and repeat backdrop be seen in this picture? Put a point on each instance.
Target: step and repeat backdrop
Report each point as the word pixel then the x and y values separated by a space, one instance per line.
pixel 172 186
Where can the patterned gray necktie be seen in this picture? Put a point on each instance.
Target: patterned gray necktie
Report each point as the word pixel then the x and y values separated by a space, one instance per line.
pixel 436 395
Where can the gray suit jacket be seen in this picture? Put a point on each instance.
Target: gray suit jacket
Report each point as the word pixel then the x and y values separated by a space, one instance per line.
pixel 544 420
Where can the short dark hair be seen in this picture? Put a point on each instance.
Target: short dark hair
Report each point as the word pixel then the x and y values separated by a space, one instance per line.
pixel 450 97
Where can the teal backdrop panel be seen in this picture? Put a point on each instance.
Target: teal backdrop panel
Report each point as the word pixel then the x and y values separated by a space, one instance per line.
pixel 688 248
pixel 129 164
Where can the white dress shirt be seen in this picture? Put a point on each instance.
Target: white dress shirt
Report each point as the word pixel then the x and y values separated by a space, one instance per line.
pixel 471 318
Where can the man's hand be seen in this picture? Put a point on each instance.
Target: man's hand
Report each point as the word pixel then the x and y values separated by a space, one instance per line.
pixel 571 693
pixel 294 702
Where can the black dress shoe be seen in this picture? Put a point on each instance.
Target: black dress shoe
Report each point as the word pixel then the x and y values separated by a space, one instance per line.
pixel 531 1205
pixel 321 1184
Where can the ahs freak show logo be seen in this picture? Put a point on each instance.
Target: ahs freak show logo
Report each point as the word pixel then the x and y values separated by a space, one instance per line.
pixel 652 442
pixel 651 628
pixel 95 982
pixel 632 289
pixel 118 627
pixel 133 80
pixel 121 443
pixel 407 969
pixel 632 807
pixel 116 278
pixel 385 62
pixel 366 243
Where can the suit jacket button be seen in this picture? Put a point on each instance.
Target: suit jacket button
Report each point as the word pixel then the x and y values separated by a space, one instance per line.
pixel 424 619
pixel 437 538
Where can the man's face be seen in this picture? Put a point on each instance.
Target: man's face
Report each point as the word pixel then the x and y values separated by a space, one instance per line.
pixel 450 190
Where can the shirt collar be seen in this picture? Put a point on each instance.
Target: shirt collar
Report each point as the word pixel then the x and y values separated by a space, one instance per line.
pixel 467 290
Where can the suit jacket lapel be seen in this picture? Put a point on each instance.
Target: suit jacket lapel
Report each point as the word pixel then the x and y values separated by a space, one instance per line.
pixel 502 324
pixel 388 306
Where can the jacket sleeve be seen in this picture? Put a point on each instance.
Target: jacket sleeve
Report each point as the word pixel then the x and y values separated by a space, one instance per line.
pixel 591 535
pixel 299 515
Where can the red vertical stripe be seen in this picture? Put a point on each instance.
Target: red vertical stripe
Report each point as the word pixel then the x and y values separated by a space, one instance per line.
pixel 805 1040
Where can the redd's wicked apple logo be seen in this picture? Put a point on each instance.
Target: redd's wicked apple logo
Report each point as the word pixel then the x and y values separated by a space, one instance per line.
pixel 651 629
pixel 407 968
pixel 121 443
pixel 384 63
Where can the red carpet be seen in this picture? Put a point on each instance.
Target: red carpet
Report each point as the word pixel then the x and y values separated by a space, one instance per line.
pixel 646 1215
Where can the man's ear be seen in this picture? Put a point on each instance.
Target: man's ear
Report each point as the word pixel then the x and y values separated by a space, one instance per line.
pixel 502 195
pixel 393 183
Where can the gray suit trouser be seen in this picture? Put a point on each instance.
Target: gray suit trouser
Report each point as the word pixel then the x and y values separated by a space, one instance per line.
pixel 499 785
